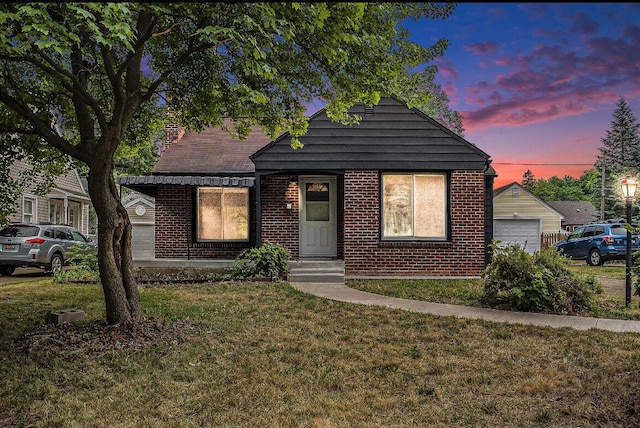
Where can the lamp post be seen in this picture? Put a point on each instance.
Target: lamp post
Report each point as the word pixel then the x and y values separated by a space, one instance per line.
pixel 629 186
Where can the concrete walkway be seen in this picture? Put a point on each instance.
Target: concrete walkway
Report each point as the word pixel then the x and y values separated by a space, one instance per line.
pixel 342 293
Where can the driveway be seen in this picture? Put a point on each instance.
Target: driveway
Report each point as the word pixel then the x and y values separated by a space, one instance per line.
pixel 23 274
pixel 616 287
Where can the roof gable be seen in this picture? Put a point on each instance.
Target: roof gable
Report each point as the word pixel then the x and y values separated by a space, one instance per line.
pixel 390 136
pixel 516 189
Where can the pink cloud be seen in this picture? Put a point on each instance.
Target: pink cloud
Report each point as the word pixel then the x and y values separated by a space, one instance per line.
pixel 446 68
pixel 553 81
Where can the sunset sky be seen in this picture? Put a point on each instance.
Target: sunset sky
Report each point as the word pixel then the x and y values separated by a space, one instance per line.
pixel 537 83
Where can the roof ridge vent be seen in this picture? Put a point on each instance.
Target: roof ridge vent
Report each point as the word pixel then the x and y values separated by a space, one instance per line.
pixel 368 109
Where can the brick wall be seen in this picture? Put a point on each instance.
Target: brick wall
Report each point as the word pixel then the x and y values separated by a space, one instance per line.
pixel 280 225
pixel 175 227
pixel 365 254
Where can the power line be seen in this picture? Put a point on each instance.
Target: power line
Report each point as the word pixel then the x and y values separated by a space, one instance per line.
pixel 542 164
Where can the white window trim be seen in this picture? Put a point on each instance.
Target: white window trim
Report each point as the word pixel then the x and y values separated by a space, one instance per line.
pixel 34 208
pixel 445 213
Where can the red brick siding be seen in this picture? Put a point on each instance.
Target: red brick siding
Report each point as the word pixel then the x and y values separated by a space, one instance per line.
pixel 175 223
pixel 366 254
pixel 280 225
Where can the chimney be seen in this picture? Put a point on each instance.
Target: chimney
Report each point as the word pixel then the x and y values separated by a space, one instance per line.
pixel 172 132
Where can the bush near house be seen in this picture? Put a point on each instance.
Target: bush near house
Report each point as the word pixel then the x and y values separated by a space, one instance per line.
pixel 541 282
pixel 267 261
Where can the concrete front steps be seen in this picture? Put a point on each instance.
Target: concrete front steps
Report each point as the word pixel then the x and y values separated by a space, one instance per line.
pixel 325 271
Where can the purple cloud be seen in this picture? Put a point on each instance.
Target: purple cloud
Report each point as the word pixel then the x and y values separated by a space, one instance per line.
pixel 482 48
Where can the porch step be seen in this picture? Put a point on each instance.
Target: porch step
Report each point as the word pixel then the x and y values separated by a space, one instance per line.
pixel 327 271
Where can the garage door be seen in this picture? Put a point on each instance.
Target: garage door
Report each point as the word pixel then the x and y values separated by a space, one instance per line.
pixel 525 233
pixel 143 241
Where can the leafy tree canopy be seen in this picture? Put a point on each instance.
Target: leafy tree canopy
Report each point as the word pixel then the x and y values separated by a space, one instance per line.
pixel 92 80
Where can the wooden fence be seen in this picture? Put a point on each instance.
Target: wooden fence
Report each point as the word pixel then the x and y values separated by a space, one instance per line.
pixel 549 239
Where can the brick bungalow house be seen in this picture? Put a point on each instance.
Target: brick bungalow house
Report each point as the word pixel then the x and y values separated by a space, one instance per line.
pixel 397 195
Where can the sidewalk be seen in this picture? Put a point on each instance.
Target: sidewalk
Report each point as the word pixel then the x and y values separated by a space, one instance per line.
pixel 342 293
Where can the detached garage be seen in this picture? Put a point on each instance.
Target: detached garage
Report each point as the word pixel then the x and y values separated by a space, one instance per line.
pixel 141 211
pixel 520 217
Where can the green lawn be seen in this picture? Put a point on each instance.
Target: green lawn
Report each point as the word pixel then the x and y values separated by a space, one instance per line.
pixel 468 292
pixel 266 355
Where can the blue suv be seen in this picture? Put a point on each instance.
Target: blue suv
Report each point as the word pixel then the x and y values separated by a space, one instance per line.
pixel 597 243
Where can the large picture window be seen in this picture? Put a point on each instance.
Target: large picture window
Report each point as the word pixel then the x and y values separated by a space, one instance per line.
pixel 414 206
pixel 223 214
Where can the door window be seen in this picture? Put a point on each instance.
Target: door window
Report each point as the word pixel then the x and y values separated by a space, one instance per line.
pixel 317 201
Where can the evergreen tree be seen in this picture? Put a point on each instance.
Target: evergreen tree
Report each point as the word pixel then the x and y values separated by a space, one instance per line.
pixel 528 180
pixel 620 154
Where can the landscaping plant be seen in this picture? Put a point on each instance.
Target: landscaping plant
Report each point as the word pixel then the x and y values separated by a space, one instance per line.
pixel 84 266
pixel 267 261
pixel 541 282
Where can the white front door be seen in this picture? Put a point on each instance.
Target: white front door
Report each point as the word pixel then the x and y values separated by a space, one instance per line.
pixel 318 232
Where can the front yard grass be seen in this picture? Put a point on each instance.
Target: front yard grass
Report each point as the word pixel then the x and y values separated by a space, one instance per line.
pixel 263 354
pixel 468 291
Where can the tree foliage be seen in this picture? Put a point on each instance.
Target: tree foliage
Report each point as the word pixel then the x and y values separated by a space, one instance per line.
pixel 560 189
pixel 528 179
pixel 620 154
pixel 92 80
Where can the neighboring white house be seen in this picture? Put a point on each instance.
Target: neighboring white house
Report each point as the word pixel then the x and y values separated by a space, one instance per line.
pixel 520 217
pixel 66 203
pixel 141 209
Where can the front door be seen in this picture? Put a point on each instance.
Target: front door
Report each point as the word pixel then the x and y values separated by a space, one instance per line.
pixel 318 232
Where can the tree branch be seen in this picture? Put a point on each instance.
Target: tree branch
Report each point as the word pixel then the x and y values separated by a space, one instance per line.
pixel 42 129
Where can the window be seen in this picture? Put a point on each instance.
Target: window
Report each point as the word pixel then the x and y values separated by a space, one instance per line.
pixel 223 214
pixel 414 206
pixel 55 212
pixel 28 210
pixel 317 201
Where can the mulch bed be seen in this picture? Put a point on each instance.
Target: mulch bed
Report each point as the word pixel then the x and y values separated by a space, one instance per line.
pixel 98 338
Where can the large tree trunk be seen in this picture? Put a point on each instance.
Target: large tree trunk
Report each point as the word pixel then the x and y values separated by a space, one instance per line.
pixel 114 246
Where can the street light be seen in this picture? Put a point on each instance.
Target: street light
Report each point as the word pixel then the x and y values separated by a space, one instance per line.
pixel 629 186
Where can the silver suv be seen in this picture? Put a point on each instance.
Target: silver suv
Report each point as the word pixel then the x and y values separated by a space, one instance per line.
pixel 41 246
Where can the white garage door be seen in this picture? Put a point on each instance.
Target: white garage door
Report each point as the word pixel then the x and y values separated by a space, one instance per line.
pixel 525 233
pixel 143 242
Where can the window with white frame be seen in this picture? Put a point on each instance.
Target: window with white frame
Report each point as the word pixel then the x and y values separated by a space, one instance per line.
pixel 414 206
pixel 55 211
pixel 28 209
pixel 222 214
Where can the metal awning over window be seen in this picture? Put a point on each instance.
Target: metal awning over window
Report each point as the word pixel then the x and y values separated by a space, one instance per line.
pixel 148 184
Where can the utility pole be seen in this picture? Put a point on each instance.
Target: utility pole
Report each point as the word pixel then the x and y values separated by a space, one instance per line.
pixel 604 175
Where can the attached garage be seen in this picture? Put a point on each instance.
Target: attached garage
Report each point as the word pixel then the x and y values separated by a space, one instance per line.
pixel 524 232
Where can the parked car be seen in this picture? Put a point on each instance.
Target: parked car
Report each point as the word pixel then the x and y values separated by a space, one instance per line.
pixel 41 246
pixel 597 243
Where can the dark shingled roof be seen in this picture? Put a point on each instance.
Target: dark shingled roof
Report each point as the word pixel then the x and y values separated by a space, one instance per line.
pixel 390 136
pixel 576 213
pixel 211 152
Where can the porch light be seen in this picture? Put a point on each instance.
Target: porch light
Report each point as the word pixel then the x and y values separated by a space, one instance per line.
pixel 629 186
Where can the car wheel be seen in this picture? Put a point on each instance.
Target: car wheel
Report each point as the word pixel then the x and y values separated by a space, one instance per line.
pixel 56 264
pixel 594 258
pixel 7 270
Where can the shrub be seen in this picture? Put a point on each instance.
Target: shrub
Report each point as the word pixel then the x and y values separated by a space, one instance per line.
pixel 84 266
pixel 267 261
pixel 540 282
